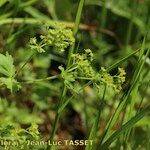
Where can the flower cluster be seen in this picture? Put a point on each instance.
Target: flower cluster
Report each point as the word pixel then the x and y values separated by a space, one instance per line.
pixel 82 69
pixel 83 63
pixel 116 81
pixel 58 37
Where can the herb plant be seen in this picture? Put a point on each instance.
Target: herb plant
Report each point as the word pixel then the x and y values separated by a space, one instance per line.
pixel 73 71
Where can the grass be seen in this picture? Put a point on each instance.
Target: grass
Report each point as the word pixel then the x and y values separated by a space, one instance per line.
pixel 76 70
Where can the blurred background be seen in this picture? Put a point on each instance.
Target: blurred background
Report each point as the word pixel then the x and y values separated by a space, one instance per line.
pixel 112 29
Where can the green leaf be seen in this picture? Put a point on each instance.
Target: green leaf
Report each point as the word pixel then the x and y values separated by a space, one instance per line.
pixel 125 127
pixel 10 83
pixel 6 65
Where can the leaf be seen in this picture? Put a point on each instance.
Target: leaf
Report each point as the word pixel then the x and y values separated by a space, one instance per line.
pixel 125 127
pixel 36 13
pixel 6 65
pixel 10 83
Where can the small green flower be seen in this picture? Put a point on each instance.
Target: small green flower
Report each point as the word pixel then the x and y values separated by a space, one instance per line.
pixel 116 81
pixel 58 37
pixel 34 45
pixel 33 40
pixel 83 63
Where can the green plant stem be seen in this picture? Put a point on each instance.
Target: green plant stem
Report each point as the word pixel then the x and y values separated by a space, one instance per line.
pixel 40 80
pixel 103 15
pixel 61 108
pixel 94 129
pixel 18 71
pixel 129 32
pixel 57 117
pixel 130 26
pixel 122 60
pixel 77 21
pixel 83 78
pixel 50 22
pixel 76 27
pixel 50 78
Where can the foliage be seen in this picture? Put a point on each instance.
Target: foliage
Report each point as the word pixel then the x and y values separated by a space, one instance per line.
pixel 16 138
pixel 7 72
pixel 80 68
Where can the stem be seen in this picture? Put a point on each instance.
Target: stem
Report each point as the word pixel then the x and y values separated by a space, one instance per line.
pixel 76 27
pixel 129 32
pixel 77 21
pixel 39 80
pixel 130 26
pixel 51 23
pixel 94 129
pixel 84 78
pixel 61 108
pixel 18 71
pixel 103 15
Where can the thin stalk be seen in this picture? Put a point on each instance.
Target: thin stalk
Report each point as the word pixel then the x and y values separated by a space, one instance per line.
pixel 40 80
pixel 86 118
pixel 94 129
pixel 61 108
pixel 57 117
pixel 129 32
pixel 143 96
pixel 103 15
pixel 63 95
pixel 130 26
pixel 18 71
pixel 84 78
pixel 76 27
pixel 51 23
pixel 122 60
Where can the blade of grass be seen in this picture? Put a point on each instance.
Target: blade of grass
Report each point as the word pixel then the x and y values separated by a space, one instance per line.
pixel 51 8
pixel 122 60
pixel 131 133
pixel 103 15
pixel 36 14
pixel 130 26
pixel 28 3
pixel 131 107
pixel 125 127
pixel 137 74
